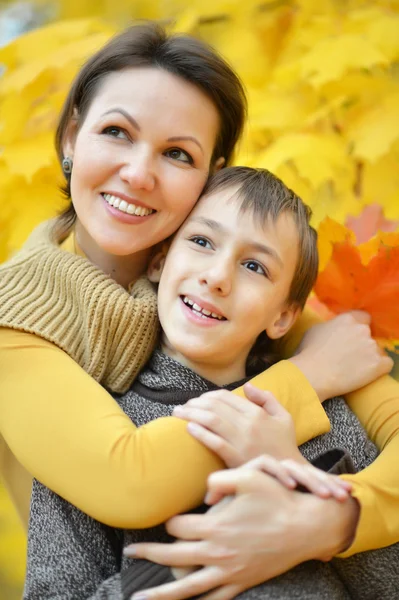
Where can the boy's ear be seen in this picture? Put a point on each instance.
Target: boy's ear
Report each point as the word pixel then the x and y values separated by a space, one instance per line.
pixel 284 322
pixel 155 268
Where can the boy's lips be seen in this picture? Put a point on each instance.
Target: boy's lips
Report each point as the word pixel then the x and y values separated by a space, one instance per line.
pixel 203 308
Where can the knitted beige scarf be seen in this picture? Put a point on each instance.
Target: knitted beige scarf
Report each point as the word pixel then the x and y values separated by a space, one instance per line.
pixel 68 301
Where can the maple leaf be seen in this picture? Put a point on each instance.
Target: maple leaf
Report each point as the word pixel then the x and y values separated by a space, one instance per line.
pixel 370 222
pixel 347 283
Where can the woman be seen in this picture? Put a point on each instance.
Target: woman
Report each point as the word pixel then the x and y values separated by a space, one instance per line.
pixel 133 180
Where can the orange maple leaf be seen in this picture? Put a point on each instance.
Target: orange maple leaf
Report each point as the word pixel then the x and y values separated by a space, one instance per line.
pixel 347 284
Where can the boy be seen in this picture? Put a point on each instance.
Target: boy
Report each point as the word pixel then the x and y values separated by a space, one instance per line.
pixel 235 278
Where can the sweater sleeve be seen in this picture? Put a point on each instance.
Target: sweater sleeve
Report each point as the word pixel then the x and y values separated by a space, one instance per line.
pixel 70 434
pixel 377 487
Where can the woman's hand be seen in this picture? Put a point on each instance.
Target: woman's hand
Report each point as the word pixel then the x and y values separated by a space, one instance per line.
pixel 340 356
pixel 290 474
pixel 239 429
pixel 263 531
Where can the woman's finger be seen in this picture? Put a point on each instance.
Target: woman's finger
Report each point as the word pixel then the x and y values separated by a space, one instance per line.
pixel 316 481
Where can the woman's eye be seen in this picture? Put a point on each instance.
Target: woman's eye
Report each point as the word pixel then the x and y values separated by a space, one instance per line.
pixel 254 266
pixel 113 131
pixel 179 155
pixel 201 241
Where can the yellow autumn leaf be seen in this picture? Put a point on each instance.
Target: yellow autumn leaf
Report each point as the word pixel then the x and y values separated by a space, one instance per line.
pixel 278 109
pixel 42 42
pixel 331 58
pixel 331 232
pixel 337 203
pixel 379 25
pixel 28 156
pixel 73 52
pixel 317 157
pixel 374 132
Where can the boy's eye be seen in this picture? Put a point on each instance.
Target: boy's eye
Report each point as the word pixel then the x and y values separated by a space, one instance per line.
pixel 256 267
pixel 201 241
pixel 114 131
pixel 180 155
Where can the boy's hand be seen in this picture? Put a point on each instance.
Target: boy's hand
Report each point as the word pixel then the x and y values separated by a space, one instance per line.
pixel 237 429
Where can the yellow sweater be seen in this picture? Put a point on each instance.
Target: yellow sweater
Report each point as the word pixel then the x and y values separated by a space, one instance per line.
pixel 67 431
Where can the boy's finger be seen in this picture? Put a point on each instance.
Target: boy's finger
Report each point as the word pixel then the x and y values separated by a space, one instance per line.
pixel 264 399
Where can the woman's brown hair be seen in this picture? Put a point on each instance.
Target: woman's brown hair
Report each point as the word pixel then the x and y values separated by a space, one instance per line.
pixel 149 45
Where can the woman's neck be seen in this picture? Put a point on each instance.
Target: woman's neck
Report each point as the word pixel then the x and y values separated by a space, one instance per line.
pixel 123 269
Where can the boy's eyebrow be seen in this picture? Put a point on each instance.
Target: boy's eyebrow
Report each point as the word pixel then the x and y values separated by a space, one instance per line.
pixel 217 226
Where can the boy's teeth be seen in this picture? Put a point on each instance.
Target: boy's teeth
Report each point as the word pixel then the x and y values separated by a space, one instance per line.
pixel 201 311
pixel 126 207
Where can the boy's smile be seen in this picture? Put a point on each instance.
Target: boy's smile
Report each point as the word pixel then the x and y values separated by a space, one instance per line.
pixel 226 279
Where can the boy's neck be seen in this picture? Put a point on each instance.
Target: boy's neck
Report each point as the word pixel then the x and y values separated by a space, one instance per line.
pixel 218 374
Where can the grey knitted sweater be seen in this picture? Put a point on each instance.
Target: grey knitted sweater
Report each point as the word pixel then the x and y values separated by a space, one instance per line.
pixel 73 557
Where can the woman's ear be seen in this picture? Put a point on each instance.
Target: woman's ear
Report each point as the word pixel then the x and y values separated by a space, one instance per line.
pixel 71 131
pixel 284 322
pixel 219 164
pixel 155 268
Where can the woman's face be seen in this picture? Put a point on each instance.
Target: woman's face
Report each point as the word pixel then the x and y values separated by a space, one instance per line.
pixel 140 158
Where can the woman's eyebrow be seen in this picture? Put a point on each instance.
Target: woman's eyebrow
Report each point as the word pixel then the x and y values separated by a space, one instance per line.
pixel 190 138
pixel 125 114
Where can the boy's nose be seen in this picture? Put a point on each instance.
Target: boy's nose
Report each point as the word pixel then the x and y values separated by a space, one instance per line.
pixel 139 171
pixel 218 279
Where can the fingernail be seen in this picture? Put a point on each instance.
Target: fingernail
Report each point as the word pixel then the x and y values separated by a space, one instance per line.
pixel 207 497
pixel 139 596
pixel 129 551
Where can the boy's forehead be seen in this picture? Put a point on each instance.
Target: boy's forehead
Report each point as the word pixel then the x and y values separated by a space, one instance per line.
pixel 219 197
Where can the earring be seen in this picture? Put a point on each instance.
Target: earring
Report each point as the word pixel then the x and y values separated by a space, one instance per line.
pixel 67 165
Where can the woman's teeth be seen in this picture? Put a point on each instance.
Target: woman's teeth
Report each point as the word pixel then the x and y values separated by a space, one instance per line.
pixel 202 312
pixel 126 207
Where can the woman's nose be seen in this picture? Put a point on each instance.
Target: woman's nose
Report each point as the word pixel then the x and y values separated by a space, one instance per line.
pixel 139 171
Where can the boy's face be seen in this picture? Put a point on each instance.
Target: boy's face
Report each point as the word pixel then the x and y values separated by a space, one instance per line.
pixel 225 280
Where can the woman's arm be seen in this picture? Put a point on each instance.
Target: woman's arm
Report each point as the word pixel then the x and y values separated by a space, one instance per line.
pixel 263 530
pixel 70 434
